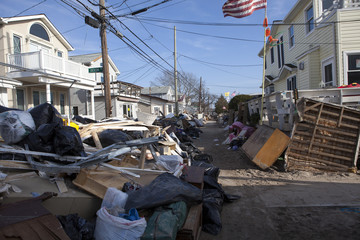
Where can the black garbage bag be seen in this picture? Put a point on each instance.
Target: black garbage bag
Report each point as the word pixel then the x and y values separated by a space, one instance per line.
pixel 212 206
pixel 110 136
pixel 163 190
pixel 42 140
pixel 67 141
pixel 210 170
pixel 76 227
pixel 45 113
pixel 83 120
pixel 5 109
pixel 203 158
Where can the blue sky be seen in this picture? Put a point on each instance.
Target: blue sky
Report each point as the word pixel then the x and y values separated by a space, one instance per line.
pixel 204 56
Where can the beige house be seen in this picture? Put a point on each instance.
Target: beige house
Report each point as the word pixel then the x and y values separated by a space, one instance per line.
pixel 34 65
pixel 318 46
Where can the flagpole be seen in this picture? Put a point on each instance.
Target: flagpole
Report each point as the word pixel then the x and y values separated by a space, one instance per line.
pixel 263 78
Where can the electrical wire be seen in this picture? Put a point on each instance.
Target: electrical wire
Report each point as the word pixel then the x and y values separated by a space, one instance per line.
pixel 37 4
pixel 218 64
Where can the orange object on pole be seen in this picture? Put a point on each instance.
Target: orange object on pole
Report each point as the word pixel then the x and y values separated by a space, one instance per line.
pixel 265 23
pixel 267 32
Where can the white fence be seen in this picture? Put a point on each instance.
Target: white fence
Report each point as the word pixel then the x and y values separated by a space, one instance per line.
pixel 279 108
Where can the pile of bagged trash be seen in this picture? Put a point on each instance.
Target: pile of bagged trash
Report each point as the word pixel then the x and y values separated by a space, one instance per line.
pixel 133 206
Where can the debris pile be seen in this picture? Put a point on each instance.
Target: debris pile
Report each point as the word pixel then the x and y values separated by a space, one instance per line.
pixel 151 179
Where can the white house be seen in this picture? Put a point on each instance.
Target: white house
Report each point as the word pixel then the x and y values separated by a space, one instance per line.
pixel 34 65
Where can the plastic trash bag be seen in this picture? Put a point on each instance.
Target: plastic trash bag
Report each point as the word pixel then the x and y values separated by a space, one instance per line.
pixel 67 141
pixel 5 109
pixel 77 227
pixel 114 198
pixel 15 126
pixel 212 206
pixel 163 190
pixel 42 140
pixel 45 113
pixel 170 162
pixel 165 222
pixel 109 227
pixel 110 136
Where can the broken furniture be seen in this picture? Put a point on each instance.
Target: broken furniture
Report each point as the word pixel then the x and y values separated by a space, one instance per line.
pixel 326 138
pixel 265 145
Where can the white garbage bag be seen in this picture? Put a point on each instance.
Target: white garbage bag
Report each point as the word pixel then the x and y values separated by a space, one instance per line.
pixel 15 126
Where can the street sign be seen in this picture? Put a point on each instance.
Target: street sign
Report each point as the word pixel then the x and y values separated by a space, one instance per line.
pixel 95 70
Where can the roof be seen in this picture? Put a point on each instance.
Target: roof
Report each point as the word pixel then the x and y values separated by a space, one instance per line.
pixel 153 97
pixel 86 58
pixel 45 20
pixel 92 57
pixel 156 90
pixel 130 84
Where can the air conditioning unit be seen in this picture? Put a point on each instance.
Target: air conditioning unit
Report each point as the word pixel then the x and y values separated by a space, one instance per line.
pixel 322 85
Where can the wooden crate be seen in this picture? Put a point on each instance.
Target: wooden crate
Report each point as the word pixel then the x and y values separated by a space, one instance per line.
pixel 265 145
pixel 327 137
pixel 194 175
pixel 191 229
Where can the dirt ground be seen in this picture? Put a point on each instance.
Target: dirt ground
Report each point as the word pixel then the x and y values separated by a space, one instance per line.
pixel 281 205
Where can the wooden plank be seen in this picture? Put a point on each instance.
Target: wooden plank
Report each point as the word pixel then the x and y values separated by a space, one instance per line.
pixel 312 107
pixel 143 154
pixel 96 139
pixel 324 145
pixel 356 155
pixel 60 183
pixel 308 158
pixel 12 164
pixel 341 116
pixel 255 142
pixel 315 127
pixel 192 227
pixel 338 157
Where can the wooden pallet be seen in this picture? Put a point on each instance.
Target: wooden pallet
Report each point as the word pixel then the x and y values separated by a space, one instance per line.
pixel 327 137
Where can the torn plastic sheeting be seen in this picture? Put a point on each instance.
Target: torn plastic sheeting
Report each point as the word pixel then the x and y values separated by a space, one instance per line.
pixel 15 126
pixel 163 190
pixel 170 162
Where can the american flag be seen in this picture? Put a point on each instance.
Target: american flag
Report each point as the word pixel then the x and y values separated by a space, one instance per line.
pixel 242 8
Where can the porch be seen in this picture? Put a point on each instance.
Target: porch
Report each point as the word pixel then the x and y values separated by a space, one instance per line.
pixel 279 109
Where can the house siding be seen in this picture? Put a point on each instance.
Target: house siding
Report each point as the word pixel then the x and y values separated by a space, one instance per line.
pixel 328 40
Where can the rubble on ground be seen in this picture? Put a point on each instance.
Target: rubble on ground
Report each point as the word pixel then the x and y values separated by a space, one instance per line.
pixel 134 169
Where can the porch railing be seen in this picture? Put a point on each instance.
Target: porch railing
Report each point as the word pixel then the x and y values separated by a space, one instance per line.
pixel 279 108
pixel 43 61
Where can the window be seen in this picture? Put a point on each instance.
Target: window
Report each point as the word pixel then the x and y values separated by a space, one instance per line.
pixel 40 98
pixel 38 30
pixel 280 50
pixel 328 73
pixel 309 16
pixel 326 4
pixel 272 55
pixel 291 36
pixel 17 44
pixel 60 54
pixel 128 110
pixel 291 83
pixel 269 89
pixel 170 108
pixel 20 99
pixel 62 103
pixel 353 71
pixel 157 110
pixel 76 111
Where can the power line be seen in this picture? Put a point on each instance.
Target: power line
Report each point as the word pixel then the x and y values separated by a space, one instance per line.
pixel 30 8
pixel 219 64
pixel 175 21
pixel 243 39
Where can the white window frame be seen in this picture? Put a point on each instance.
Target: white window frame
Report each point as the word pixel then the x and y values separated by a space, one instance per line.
pixel 287 80
pixel 291 37
pixel 281 54
pixel 346 63
pixel 326 62
pixel 306 20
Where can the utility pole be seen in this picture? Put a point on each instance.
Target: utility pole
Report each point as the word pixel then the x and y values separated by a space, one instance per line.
pixel 175 76
pixel 105 60
pixel 200 96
